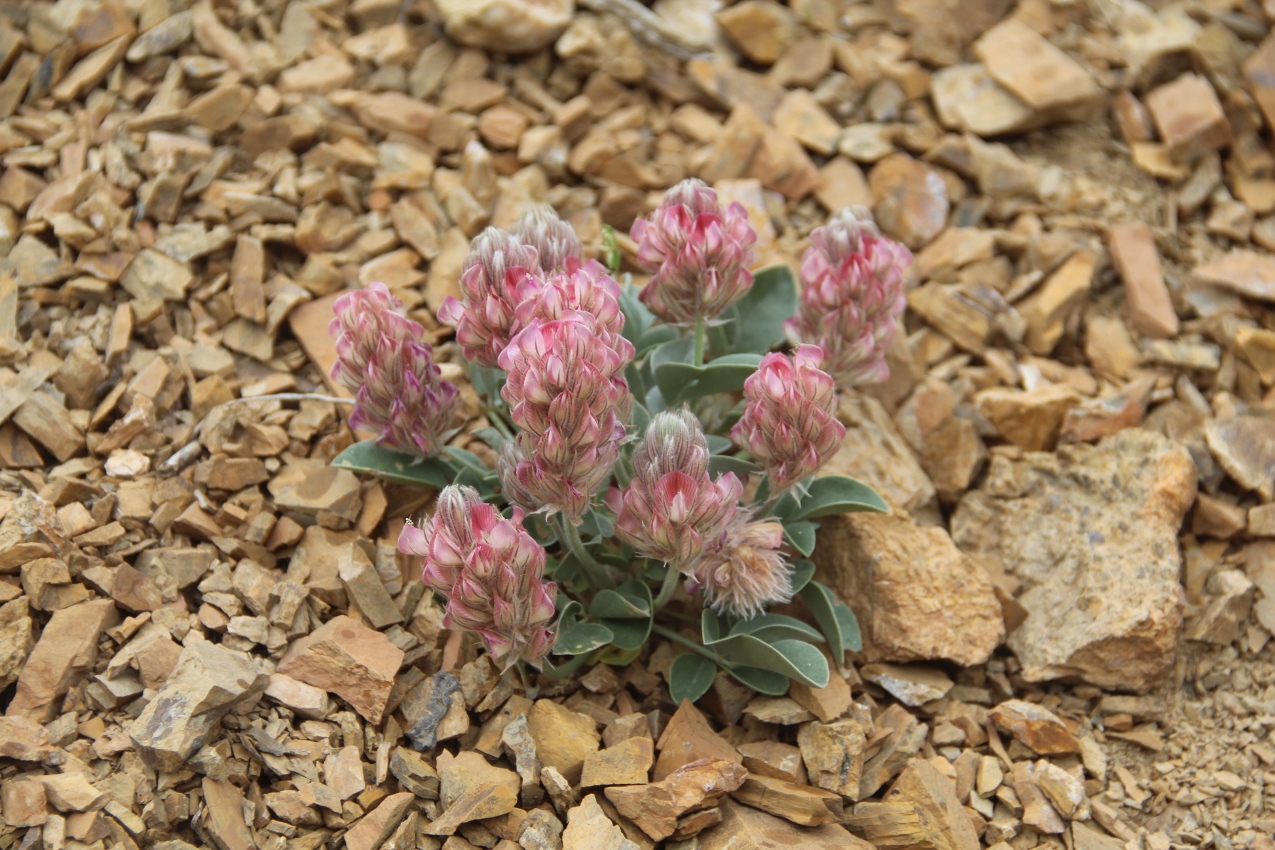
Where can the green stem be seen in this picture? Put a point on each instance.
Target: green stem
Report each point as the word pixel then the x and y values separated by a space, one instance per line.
pixel 596 572
pixel 498 422
pixel 701 327
pixel 690 644
pixel 668 588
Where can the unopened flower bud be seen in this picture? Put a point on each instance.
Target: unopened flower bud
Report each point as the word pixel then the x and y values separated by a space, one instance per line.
pixel 790 421
pixel 672 506
pixel 852 297
pixel 557 246
pixel 698 253
pixel 586 288
pixel 492 573
pixel 383 359
pixel 742 570
pixel 484 321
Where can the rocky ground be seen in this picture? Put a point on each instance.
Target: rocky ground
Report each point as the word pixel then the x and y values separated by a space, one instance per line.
pixel 206 636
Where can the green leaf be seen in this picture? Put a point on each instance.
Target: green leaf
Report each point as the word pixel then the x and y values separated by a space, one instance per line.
pixel 673 378
pixel 641 418
pixel 762 681
pixel 719 464
pixel 717 444
pixel 802 572
pixel 837 494
pixel 834 617
pixel 758 317
pixel 581 638
pixel 617 657
pixel 400 467
pixel 770 627
pixel 629 633
pixel 653 338
pixel 596 523
pixel 689 677
pixel 491 437
pixel 713 626
pixel 630 600
pixel 610 249
pixel 637 319
pixel 800 535
pixel 723 375
pixel 793 658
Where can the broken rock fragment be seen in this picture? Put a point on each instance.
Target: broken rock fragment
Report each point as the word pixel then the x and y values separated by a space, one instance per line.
pixel 1036 726
pixel 1100 579
pixel 206 684
pixel 505 26
pixel 657 808
pixel 66 651
pixel 348 659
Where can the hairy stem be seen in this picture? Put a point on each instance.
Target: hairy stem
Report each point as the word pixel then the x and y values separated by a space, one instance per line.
pixel 595 571
pixel 668 588
pixel 690 644
pixel 701 329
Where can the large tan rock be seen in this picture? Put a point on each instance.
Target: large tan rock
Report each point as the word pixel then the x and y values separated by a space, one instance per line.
pixel 917 596
pixel 1092 534
pixel 15 640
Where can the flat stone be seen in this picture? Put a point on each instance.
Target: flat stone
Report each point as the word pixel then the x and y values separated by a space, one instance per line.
pixel 372 832
pixel 343 772
pixel 23 803
pixel 967 98
pixel 1229 602
pixel 1189 117
pixel 564 739
pixel 1259 68
pixel 65 653
pixel 800 804
pixel 472 789
pixel 921 809
pixel 153 275
pixel 772 758
pixel 657 808
pixel 916 596
pixel 833 753
pixel 627 763
pixel 505 26
pixel 761 29
pixel 16 640
pixel 1100 580
pixel 746 828
pixel 206 684
pixel 588 828
pixel 306 700
pixel 1257 347
pixel 1037 72
pixel 913 686
pixel 1028 418
pixel 688 737
pixel 1047 310
pixel 1036 726
pixel 1248 273
pixel 1135 256
pixel 308 488
pixel 72 792
pixel 909 199
pixel 348 659
pixel 1245 447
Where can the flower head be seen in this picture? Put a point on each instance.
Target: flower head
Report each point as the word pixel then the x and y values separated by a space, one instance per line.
pixel 557 246
pixel 491 571
pixel 484 322
pixel 672 506
pixel 742 570
pixel 789 423
pixel 383 359
pixel 566 392
pixel 698 252
pixel 852 297
pixel 586 288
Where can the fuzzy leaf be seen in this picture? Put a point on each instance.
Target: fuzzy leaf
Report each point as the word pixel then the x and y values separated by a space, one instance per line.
pixel 720 464
pixel 399 467
pixel 723 375
pixel 581 638
pixel 800 535
pixel 771 627
pixel 629 633
pixel 793 658
pixel 762 681
pixel 834 617
pixel 689 677
pixel 831 494
pixel 758 318
pixel 802 572
pixel 630 600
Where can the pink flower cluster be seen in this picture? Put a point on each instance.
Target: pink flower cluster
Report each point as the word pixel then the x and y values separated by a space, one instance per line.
pixel 675 512
pixel 852 297
pixel 383 359
pixel 491 572
pixel 698 252
pixel 672 507
pixel 502 270
pixel 790 421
